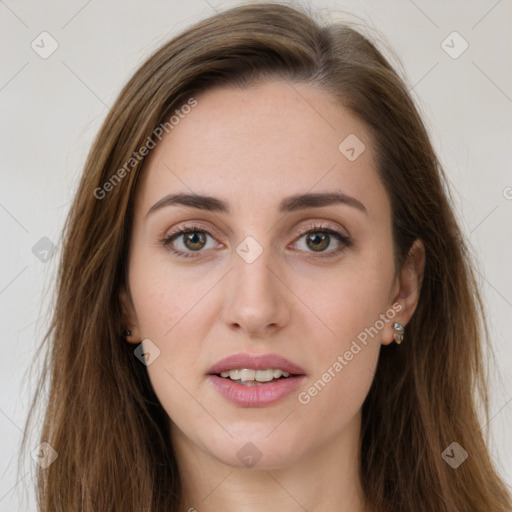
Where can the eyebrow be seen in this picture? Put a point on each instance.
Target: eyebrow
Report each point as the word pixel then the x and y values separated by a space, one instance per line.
pixel 290 204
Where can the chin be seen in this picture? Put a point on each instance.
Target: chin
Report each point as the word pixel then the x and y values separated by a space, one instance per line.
pixel 257 450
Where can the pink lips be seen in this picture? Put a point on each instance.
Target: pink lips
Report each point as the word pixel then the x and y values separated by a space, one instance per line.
pixel 257 395
pixel 254 362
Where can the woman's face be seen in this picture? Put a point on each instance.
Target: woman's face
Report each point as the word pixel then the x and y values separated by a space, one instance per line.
pixel 250 281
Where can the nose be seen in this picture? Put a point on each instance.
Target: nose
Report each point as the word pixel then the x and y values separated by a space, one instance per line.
pixel 256 297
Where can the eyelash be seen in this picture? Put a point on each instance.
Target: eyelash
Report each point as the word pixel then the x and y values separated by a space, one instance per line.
pixel 345 240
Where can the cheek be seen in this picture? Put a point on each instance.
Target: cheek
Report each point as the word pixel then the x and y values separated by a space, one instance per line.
pixel 334 396
pixel 347 302
pixel 344 372
pixel 166 295
pixel 167 315
pixel 353 308
pixel 174 311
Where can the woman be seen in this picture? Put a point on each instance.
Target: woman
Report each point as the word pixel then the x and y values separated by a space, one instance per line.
pixel 264 299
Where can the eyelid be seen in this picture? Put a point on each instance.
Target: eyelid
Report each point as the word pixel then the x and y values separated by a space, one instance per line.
pixel 317 225
pixel 304 229
pixel 313 226
pixel 187 228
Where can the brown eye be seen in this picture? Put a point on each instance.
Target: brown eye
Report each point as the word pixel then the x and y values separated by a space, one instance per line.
pixel 187 241
pixel 194 240
pixel 190 241
pixel 318 242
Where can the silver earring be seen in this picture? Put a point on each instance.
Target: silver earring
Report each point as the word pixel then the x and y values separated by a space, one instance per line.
pixel 399 334
pixel 126 333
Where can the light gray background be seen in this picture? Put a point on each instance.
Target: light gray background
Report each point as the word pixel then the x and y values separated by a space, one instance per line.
pixel 52 108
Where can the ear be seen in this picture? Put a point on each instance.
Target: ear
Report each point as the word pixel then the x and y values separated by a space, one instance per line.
pixel 129 317
pixel 406 289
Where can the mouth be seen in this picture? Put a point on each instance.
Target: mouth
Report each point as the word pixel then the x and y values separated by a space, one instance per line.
pixel 252 381
pixel 249 377
pixel 261 369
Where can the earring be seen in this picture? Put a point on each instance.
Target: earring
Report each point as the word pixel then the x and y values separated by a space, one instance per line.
pixel 126 333
pixel 399 334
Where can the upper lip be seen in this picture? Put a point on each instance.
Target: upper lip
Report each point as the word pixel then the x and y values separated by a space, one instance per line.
pixel 255 362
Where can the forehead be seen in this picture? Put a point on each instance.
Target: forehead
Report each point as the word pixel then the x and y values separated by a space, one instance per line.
pixel 262 143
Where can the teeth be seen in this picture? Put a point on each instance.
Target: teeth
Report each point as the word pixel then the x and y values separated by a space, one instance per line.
pixel 246 374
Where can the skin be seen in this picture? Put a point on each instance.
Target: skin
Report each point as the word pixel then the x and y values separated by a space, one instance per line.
pixel 252 148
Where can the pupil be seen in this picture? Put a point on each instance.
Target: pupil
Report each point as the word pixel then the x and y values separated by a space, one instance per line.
pixel 195 238
pixel 318 239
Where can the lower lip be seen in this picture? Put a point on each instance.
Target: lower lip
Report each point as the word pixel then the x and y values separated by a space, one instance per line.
pixel 255 396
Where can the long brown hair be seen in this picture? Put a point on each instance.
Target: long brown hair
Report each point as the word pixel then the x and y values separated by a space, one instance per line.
pixel 103 417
